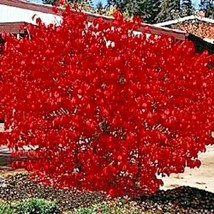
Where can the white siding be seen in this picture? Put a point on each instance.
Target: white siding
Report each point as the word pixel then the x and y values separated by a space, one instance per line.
pixel 1 127
pixel 13 14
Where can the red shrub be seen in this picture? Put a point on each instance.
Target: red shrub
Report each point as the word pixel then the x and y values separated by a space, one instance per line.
pixel 105 110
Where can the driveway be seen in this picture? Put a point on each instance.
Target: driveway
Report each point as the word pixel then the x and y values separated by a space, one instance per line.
pixel 202 178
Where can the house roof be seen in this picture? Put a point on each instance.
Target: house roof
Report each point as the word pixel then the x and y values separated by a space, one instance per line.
pixel 29 6
pixel 19 12
pixel 197 25
pixel 11 27
pixel 187 18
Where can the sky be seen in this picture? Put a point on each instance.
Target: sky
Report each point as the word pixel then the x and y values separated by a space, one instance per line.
pixel 96 1
pixel 195 2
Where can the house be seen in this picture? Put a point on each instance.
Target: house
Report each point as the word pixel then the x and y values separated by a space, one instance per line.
pixel 196 25
pixel 16 12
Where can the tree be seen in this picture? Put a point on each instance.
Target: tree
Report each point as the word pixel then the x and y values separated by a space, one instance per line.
pixel 99 7
pixel 210 11
pixel 102 109
pixel 187 8
pixel 120 4
pixel 69 1
pixel 53 2
pixel 205 3
pixel 208 6
pixel 147 9
pixel 169 9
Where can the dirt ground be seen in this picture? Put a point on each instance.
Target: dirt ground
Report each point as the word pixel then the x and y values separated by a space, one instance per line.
pixel 202 177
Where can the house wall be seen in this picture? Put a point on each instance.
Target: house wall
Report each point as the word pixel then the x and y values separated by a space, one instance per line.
pixel 14 14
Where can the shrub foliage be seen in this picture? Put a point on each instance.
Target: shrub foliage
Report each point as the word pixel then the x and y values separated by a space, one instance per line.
pixel 29 206
pixel 35 206
pixel 103 109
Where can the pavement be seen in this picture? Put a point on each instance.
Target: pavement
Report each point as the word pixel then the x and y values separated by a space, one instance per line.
pixel 202 177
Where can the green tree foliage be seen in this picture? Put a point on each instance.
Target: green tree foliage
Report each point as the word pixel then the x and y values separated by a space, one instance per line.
pixel 100 8
pixel 169 9
pixel 187 8
pixel 85 5
pixel 49 1
pixel 153 11
pixel 99 5
pixel 147 9
pixel 120 4
pixel 210 11
pixel 208 6
pixel 55 1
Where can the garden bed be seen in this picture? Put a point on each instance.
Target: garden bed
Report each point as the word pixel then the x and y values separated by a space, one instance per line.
pixel 179 200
